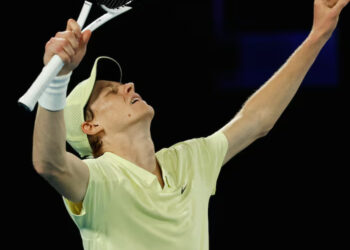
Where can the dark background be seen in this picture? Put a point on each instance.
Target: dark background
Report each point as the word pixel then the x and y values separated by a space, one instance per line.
pixel 286 189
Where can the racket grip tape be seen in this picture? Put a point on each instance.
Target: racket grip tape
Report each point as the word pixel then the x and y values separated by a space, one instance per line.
pixel 84 14
pixel 48 73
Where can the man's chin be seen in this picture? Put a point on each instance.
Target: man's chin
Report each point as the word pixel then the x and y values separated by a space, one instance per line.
pixel 148 114
pixel 151 112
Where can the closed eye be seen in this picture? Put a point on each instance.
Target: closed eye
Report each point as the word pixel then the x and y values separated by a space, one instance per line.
pixel 111 90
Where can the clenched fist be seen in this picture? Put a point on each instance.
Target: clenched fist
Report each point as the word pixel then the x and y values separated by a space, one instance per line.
pixel 70 45
pixel 326 17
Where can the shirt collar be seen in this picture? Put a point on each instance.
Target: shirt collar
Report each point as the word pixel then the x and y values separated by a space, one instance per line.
pixel 145 176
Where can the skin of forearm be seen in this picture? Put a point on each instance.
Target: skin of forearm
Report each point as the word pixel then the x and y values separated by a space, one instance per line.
pixel 49 141
pixel 269 101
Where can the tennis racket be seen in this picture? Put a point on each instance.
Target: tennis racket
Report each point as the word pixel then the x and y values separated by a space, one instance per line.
pixel 113 8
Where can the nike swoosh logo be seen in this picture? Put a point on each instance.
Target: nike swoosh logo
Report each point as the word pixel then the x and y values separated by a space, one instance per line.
pixel 183 189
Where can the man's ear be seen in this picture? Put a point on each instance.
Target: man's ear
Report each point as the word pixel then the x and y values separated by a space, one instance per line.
pixel 91 128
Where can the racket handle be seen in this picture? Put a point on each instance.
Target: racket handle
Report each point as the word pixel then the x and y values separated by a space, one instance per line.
pixel 48 73
pixel 84 13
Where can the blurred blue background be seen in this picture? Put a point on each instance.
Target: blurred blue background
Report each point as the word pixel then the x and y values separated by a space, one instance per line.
pixel 261 55
pixel 261 52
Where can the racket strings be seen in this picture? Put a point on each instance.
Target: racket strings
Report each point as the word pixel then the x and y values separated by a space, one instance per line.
pixel 113 4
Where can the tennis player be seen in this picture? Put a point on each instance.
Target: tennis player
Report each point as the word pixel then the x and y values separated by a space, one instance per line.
pixel 126 196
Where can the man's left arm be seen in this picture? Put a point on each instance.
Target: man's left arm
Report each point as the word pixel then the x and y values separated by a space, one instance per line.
pixel 262 110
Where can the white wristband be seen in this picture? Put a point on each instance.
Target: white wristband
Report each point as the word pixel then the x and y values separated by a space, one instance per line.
pixel 54 97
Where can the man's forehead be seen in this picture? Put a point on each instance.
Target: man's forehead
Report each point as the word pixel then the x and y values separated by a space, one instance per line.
pixel 99 86
pixel 104 83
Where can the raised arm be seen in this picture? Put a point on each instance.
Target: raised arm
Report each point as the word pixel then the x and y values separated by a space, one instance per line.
pixel 262 110
pixel 64 171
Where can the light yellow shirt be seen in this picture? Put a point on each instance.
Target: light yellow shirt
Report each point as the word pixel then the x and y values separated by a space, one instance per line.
pixel 125 207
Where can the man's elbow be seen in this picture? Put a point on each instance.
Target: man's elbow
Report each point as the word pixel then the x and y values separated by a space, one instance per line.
pixel 43 169
pixel 48 168
pixel 266 122
pixel 264 132
pixel 265 127
pixel 260 124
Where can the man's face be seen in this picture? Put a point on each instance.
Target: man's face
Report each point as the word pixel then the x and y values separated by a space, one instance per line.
pixel 116 106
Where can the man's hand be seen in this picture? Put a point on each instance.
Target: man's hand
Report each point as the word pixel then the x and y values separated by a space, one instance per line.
pixel 326 16
pixel 70 45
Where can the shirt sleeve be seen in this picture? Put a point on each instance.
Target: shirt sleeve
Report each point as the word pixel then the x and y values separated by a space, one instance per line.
pixel 206 155
pixel 83 214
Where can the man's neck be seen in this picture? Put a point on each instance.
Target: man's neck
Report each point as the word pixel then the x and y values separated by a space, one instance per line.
pixel 134 146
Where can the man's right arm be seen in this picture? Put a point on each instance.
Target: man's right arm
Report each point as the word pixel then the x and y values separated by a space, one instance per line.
pixel 64 171
pixel 68 174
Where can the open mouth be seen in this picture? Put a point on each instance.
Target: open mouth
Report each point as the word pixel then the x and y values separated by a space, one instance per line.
pixel 135 100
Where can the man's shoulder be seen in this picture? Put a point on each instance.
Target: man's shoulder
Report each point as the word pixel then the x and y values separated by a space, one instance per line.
pixel 181 149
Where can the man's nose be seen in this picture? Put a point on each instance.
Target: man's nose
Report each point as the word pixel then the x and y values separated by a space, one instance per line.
pixel 128 87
